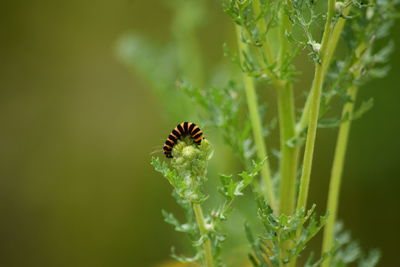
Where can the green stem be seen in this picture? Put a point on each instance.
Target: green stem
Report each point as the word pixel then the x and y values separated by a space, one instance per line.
pixel 330 50
pixel 315 95
pixel 256 125
pixel 338 160
pixel 310 113
pixel 286 111
pixel 311 136
pixel 313 111
pixel 336 174
pixel 208 257
pixel 289 154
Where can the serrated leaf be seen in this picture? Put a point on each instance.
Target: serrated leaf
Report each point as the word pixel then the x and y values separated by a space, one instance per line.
pixel 249 175
pixel 228 186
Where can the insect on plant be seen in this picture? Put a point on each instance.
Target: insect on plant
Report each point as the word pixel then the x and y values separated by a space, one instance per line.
pixel 270 38
pixel 182 130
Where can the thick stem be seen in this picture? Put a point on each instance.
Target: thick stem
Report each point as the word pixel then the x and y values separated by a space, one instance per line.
pixel 208 257
pixel 336 174
pixel 286 111
pixel 289 154
pixel 256 125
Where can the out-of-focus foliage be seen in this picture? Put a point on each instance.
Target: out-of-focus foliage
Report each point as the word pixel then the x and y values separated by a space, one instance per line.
pixel 161 65
pixel 368 53
pixel 347 252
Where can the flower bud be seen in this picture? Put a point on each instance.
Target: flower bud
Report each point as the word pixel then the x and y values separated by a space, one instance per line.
pixel 190 161
pixel 316 47
pixel 339 6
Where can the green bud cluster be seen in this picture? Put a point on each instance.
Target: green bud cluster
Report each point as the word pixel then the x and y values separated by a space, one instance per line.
pixel 190 161
pixel 188 169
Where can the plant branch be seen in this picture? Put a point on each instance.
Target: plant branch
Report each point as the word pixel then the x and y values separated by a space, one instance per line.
pixel 336 174
pixel 315 97
pixel 256 125
pixel 208 257
pixel 330 50
pixel 286 111
pixel 338 160
pixel 289 154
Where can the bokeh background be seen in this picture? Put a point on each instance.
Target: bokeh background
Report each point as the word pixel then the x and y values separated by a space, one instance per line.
pixel 78 127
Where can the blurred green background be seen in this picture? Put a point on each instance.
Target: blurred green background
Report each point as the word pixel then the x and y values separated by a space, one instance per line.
pixel 77 130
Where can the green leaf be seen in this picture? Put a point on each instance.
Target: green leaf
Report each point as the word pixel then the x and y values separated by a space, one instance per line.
pixel 172 176
pixel 184 259
pixel 249 175
pixel 185 228
pixel 228 186
pixel 365 107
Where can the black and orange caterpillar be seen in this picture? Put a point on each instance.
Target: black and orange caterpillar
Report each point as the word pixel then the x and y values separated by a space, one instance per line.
pixel 181 130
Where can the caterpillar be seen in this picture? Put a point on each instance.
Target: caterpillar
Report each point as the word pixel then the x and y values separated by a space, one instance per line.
pixel 181 130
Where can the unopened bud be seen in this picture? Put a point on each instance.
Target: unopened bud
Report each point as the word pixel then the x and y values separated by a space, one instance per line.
pixel 339 6
pixel 188 152
pixel 316 46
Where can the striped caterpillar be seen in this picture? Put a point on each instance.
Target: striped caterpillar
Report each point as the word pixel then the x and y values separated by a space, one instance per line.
pixel 181 130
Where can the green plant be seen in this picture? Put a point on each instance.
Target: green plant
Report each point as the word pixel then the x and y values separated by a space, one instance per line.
pixel 270 36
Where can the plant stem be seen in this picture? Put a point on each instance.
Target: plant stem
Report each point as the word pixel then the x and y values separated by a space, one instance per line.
pixel 256 125
pixel 289 154
pixel 311 136
pixel 310 142
pixel 286 111
pixel 330 50
pixel 315 95
pixel 313 111
pixel 338 160
pixel 336 174
pixel 310 113
pixel 208 257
